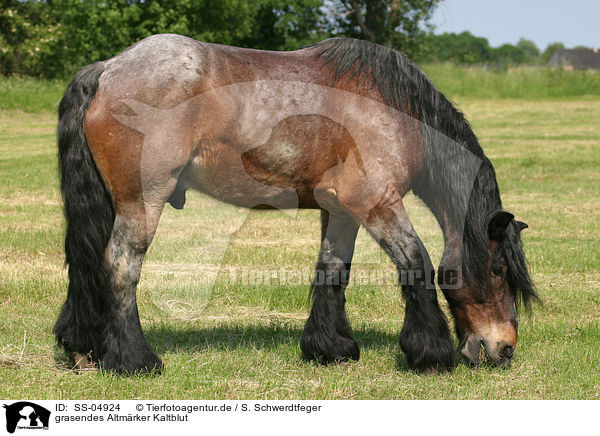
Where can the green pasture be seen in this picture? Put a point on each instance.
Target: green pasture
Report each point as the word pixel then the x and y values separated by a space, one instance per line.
pixel 238 340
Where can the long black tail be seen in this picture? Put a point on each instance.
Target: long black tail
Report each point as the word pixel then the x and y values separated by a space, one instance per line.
pixel 89 215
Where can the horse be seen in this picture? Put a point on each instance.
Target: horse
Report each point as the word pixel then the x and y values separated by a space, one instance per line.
pixel 344 126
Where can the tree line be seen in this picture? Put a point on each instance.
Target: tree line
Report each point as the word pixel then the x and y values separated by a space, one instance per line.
pixel 467 49
pixel 53 38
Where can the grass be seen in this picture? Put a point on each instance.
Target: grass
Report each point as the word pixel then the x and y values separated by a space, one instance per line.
pixel 237 341
pixel 519 83
pixel 29 94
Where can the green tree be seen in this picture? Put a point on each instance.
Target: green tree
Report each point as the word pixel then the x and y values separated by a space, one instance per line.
pixel 28 37
pixel 286 25
pixel 462 48
pixel 549 52
pixel 530 50
pixel 508 54
pixel 400 24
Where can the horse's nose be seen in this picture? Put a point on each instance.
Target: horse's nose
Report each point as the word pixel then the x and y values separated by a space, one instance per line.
pixel 508 351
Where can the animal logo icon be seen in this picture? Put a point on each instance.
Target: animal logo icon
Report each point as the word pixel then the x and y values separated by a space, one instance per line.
pixel 25 414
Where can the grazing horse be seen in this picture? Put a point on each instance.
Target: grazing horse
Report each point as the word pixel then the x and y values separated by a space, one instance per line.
pixel 344 126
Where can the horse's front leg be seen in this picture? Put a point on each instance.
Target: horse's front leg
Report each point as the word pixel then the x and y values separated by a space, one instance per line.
pixel 425 336
pixel 327 336
pixel 125 349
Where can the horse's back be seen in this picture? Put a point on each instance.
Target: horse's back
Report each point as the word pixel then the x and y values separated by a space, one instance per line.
pixel 165 69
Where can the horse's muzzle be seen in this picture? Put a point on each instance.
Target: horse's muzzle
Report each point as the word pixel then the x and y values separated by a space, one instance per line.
pixel 499 353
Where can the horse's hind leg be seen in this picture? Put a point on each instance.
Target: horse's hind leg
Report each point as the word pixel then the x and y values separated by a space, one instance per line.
pixel 125 348
pixel 327 336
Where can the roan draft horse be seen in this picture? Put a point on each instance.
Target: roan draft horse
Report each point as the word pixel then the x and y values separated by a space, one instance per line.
pixel 344 126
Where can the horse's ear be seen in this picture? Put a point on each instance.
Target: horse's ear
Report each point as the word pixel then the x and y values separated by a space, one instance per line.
pixel 521 225
pixel 498 224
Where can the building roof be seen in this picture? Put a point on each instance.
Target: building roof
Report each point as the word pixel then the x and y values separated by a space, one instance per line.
pixel 579 59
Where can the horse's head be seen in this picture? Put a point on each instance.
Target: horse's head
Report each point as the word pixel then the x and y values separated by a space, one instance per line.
pixel 485 310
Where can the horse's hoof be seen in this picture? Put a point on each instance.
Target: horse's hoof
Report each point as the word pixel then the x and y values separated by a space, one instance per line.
pixel 83 362
pixel 142 364
pixel 342 349
pixel 428 353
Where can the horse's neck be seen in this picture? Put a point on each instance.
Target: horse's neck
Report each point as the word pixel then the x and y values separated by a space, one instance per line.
pixel 461 209
pixel 450 206
pixel 453 238
pixel 451 222
pixel 452 256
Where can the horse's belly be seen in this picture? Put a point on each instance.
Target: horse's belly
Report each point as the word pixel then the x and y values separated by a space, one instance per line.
pixel 223 176
pixel 281 172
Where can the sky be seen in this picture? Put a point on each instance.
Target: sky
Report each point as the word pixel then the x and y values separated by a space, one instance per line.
pixel 572 22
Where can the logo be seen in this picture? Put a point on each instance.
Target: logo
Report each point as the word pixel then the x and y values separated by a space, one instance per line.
pixel 26 415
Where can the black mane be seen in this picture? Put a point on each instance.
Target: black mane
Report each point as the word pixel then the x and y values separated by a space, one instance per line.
pixel 405 87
